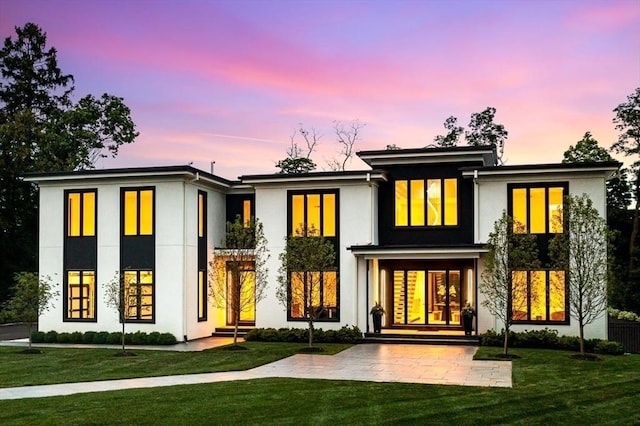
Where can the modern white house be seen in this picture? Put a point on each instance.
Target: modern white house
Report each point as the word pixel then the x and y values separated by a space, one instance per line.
pixel 409 233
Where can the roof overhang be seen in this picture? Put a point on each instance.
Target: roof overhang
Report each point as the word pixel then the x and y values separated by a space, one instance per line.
pixel 425 253
pixel 604 169
pixel 485 155
pixel 317 177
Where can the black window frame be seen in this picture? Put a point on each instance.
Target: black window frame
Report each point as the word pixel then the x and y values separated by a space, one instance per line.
pixel 547 320
pixel 426 225
pixel 202 258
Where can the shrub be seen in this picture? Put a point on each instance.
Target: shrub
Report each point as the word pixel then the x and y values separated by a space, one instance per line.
pixel 153 337
pixel 101 338
pixel 569 343
pixel 139 338
pixel 37 337
pixel 62 338
pixel 75 337
pixel 88 337
pixel 299 335
pixel 609 348
pixel 115 338
pixel 167 339
pixel 51 337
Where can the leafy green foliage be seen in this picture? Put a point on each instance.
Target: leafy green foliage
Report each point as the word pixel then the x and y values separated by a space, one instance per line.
pixel 483 131
pixel 104 337
pixel 31 298
pixel 43 130
pixel 345 334
pixel 296 166
pixel 508 251
pixel 453 133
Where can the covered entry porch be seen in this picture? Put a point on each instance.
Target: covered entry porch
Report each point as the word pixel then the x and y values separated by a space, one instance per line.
pixel 422 290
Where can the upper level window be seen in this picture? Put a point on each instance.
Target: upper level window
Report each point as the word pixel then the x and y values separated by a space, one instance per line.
pixel 537 209
pixel 138 211
pixel 81 213
pixel 430 202
pixel 315 211
pixel 246 213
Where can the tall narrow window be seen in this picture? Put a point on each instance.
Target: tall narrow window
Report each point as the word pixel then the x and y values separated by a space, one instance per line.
pixel 202 256
pixel 81 214
pixel 246 212
pixel 402 203
pixel 138 292
pixel 417 202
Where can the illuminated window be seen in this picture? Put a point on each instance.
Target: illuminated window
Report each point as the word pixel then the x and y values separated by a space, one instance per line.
pixel 538 209
pixel 314 291
pixel 317 211
pixel 81 213
pixel 81 295
pixel 241 294
pixel 202 256
pixel 138 211
pixel 246 212
pixel 138 291
pixel 440 206
pixel 538 296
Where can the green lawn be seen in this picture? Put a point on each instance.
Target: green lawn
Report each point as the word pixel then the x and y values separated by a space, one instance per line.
pixel 549 388
pixel 59 365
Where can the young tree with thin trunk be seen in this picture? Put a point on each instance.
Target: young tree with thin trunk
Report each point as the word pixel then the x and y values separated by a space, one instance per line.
pixel 121 296
pixel 238 273
pixel 307 266
pixel 511 252
pixel 31 298
pixel 347 135
pixel 581 251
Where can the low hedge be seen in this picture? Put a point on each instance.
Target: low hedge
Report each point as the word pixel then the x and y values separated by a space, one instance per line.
pixel 549 339
pixel 104 337
pixel 301 335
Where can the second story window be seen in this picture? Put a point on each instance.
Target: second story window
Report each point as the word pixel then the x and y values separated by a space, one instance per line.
pixel 316 211
pixel 430 202
pixel 81 214
pixel 537 209
pixel 138 212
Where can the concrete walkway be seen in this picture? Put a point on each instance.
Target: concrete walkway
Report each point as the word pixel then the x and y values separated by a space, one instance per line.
pixel 443 365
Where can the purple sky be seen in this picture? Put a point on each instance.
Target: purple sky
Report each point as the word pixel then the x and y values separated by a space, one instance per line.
pixel 230 80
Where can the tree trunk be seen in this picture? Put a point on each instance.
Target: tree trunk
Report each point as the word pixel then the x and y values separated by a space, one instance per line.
pixel 581 338
pixel 235 326
pixel 30 332
pixel 634 236
pixel 123 351
pixel 505 348
pixel 310 334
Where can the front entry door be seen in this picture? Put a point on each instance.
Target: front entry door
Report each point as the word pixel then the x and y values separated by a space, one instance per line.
pixel 426 297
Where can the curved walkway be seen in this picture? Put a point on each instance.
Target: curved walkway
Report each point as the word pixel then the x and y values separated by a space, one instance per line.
pixel 443 365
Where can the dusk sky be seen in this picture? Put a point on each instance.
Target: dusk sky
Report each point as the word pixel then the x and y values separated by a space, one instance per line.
pixel 230 80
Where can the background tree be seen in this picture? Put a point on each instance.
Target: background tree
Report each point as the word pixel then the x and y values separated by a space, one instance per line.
pixel 239 272
pixel 453 135
pixel 298 159
pixel 43 130
pixel 306 257
pixel 582 251
pixel 505 290
pixel 483 131
pixel 627 121
pixel 346 135
pixel 121 296
pixel 31 298
pixel 620 288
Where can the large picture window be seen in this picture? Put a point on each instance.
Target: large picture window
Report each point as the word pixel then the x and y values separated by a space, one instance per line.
pixel 430 202
pixel 314 290
pixel 81 214
pixel 81 295
pixel 538 296
pixel 537 209
pixel 315 211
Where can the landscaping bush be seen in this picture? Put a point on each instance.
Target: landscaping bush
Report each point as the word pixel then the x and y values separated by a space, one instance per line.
pixel 37 337
pixel 101 338
pixel 609 348
pixel 115 338
pixel 51 337
pixel 139 338
pixel 167 339
pixel 62 338
pixel 89 337
pixel 299 335
pixel 153 338
pixel 75 337
pixel 549 339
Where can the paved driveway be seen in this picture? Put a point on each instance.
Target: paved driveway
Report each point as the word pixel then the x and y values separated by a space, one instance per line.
pixel 450 365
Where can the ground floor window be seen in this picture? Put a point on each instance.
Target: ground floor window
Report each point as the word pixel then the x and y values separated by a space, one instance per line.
pixel 538 296
pixel 241 294
pixel 81 295
pixel 314 294
pixel 202 295
pixel 138 292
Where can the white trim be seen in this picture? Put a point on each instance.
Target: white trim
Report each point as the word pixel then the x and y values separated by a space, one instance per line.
pixel 366 176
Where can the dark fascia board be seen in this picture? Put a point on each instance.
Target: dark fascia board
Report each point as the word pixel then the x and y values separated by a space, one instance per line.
pixel 607 167
pixel 349 175
pixel 486 153
pixel 372 247
pixel 129 172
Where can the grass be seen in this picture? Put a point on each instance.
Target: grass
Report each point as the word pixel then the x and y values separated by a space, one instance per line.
pixel 65 365
pixel 549 388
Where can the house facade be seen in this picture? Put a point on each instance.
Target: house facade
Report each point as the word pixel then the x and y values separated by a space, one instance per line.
pixel 409 234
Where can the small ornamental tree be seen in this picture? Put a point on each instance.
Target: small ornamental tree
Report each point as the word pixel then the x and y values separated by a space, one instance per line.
pixel 238 272
pixel 511 251
pixel 307 257
pixel 121 297
pixel 31 298
pixel 582 251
